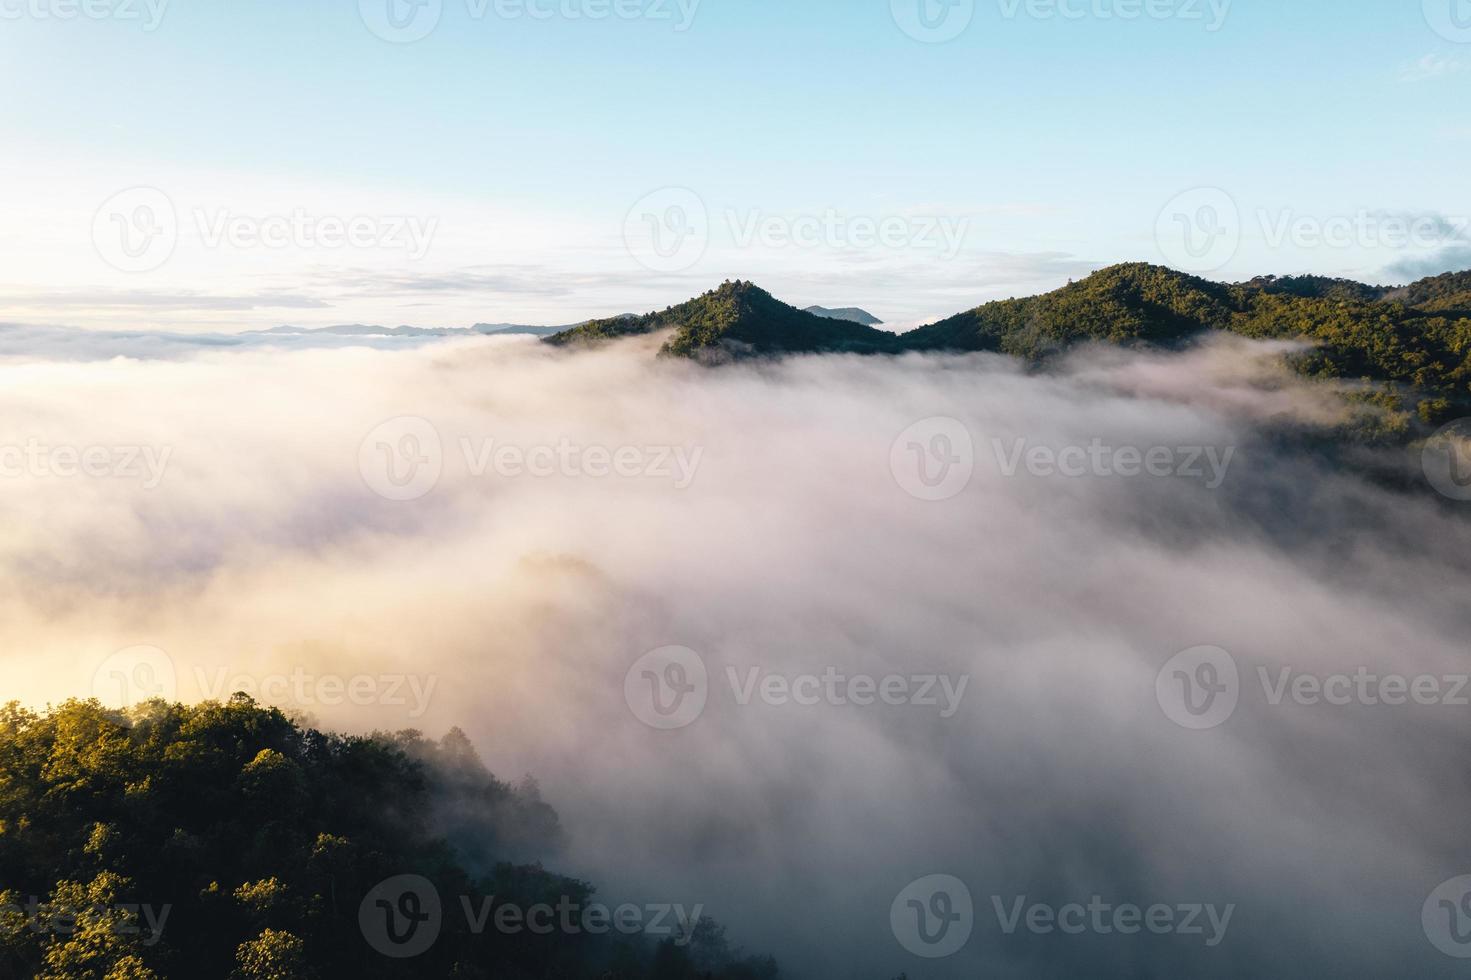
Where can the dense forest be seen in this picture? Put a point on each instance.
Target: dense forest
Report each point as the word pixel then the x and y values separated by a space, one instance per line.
pixel 225 840
pixel 1411 344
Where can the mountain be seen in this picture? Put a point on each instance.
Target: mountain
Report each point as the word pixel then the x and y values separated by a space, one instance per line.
pixel 1416 338
pixel 1121 304
pixel 851 313
pixel 225 839
pixel 1448 293
pixel 515 328
pixel 737 319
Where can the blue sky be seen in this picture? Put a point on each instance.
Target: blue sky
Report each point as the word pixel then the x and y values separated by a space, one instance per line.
pixel 1048 140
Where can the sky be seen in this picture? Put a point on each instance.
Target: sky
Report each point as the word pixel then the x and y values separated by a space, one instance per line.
pixel 191 165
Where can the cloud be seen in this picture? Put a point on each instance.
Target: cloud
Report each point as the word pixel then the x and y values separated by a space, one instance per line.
pixel 797 549
pixel 1433 66
pixel 145 299
pixel 1451 258
pixel 28 342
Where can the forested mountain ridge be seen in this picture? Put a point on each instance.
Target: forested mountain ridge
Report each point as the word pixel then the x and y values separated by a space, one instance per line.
pixel 1406 337
pixel 225 840
pixel 1416 338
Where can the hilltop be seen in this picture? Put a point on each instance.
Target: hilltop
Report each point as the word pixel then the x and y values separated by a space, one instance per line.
pixel 737 319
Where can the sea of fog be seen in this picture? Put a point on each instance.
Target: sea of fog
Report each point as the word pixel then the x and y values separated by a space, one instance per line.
pixel 872 658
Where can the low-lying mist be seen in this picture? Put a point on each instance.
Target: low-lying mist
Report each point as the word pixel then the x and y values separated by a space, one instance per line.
pixel 566 513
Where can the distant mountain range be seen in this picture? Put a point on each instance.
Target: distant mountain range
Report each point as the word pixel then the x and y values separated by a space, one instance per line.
pixel 1415 338
pixel 851 313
